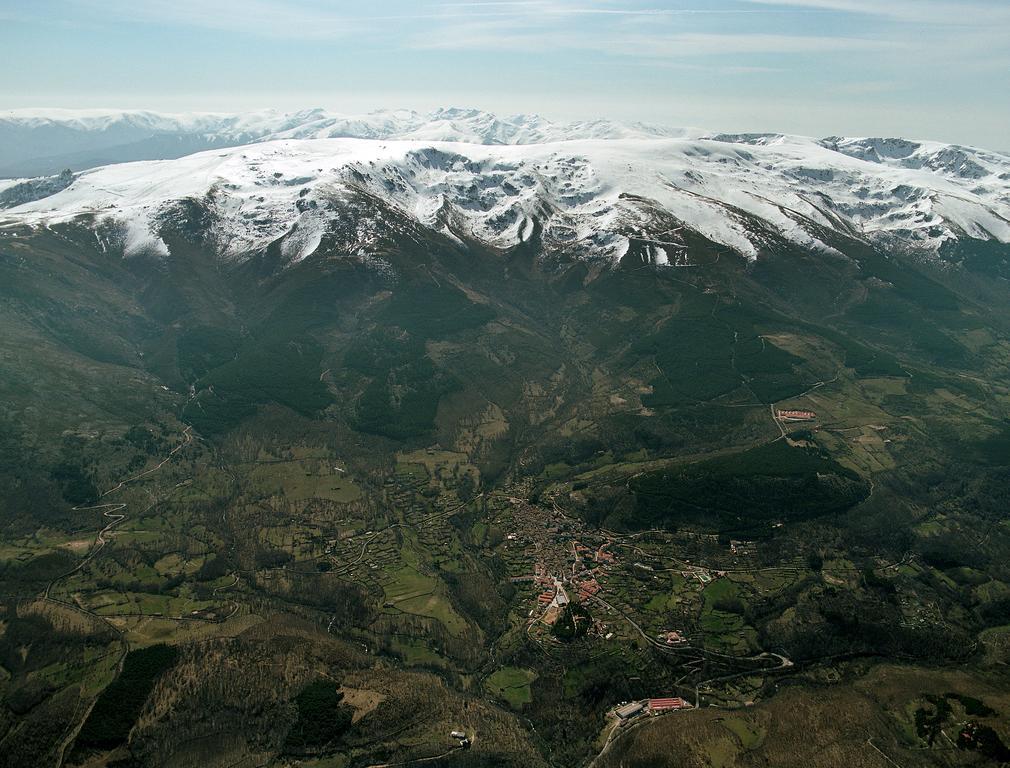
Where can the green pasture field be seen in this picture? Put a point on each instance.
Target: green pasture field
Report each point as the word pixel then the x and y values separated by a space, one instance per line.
pixel 512 684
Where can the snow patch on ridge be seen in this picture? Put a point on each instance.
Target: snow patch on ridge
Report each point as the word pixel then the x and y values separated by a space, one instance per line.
pixel 304 237
pixel 139 235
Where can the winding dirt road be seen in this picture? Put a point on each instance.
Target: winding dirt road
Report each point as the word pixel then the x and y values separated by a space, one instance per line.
pixel 114 512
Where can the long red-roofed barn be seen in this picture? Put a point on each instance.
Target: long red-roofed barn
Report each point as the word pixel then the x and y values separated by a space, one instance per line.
pixel 797 415
pixel 662 705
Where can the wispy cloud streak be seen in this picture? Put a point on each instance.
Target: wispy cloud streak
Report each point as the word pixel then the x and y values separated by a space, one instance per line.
pixel 962 13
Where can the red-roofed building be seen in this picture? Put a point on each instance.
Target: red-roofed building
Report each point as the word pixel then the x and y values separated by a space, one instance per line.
pixel 588 589
pixel 797 415
pixel 663 705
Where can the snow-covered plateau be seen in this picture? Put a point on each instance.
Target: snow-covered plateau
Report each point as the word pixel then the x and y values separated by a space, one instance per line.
pixel 587 188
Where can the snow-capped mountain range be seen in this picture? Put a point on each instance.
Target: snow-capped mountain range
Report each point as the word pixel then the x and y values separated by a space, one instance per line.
pixel 589 189
pixel 35 142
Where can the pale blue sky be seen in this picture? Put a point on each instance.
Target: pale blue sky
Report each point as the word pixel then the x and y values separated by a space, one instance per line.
pixel 919 68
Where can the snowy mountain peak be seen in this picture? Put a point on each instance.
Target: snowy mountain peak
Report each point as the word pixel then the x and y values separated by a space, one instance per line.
pixel 588 189
pixel 35 142
pixel 949 159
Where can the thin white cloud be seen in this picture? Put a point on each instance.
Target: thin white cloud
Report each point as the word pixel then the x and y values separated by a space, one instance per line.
pixel 607 26
pixel 271 18
pixel 322 20
pixel 545 8
pixel 645 45
pixel 287 18
pixel 964 12
pixel 643 33
pixel 697 44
